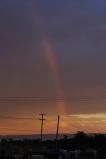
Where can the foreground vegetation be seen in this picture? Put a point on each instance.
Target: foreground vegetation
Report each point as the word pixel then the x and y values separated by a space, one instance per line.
pixel 80 141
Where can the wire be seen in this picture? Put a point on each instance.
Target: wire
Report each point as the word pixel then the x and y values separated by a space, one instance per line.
pixel 47 99
pixel 17 118
pixel 11 129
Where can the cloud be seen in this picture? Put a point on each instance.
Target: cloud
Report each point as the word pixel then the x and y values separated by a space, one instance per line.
pixel 89 116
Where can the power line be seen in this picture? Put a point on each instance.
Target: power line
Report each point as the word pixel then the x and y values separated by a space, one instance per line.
pixel 57 131
pixel 42 122
pixel 21 118
pixel 17 118
pixel 29 99
pixel 12 129
pixel 47 99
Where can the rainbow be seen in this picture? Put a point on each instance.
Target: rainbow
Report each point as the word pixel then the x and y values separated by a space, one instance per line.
pixel 55 73
pixel 47 45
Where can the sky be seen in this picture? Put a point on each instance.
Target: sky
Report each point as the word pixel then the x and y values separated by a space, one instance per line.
pixel 52 60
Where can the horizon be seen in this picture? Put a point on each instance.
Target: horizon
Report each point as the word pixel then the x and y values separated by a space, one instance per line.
pixel 45 136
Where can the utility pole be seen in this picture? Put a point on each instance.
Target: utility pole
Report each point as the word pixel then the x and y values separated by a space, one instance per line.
pixel 42 122
pixel 57 131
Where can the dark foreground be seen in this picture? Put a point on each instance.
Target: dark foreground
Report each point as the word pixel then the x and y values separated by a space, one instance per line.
pixel 80 146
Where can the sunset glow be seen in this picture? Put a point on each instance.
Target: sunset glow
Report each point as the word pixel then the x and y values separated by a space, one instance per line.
pixel 90 123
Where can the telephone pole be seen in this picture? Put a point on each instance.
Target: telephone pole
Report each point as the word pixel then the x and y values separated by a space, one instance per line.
pixel 42 122
pixel 57 131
